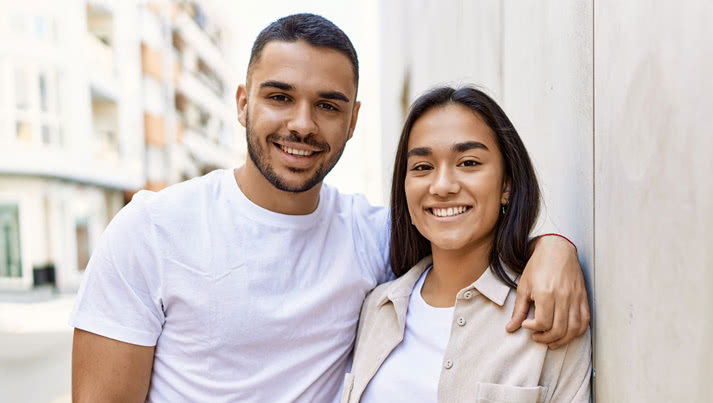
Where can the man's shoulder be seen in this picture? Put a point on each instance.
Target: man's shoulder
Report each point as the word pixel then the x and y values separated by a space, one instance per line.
pixel 355 204
pixel 180 197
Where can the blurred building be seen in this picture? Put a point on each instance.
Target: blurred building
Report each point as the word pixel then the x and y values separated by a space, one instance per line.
pixel 99 99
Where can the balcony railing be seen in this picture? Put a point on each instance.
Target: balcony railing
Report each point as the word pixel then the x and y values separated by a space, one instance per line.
pixel 101 55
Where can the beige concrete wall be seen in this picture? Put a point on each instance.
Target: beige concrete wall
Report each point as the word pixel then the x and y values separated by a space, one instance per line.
pixel 534 58
pixel 547 92
pixel 653 219
pixel 613 100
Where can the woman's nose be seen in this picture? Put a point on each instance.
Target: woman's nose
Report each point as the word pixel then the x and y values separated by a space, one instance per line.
pixel 444 183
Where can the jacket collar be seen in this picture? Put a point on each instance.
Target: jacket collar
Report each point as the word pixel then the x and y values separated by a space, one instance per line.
pixel 400 289
pixel 492 287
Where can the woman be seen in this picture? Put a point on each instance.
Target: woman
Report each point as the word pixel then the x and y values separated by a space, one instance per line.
pixel 464 199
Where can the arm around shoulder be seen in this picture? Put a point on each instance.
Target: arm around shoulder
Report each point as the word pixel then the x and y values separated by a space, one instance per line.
pixel 554 281
pixel 107 370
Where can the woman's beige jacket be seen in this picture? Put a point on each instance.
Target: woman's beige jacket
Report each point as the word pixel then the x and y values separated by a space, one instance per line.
pixel 482 362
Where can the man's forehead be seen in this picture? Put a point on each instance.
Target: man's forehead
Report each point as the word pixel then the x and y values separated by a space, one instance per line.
pixel 304 67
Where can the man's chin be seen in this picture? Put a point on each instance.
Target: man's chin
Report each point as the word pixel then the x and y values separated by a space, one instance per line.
pixel 296 180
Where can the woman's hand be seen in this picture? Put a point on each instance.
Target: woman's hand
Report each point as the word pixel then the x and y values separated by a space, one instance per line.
pixel 553 281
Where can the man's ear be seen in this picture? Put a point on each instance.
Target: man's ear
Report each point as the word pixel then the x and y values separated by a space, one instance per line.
pixel 505 196
pixel 241 99
pixel 355 115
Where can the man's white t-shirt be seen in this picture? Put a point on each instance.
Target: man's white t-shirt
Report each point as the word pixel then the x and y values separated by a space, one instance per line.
pixel 412 371
pixel 242 304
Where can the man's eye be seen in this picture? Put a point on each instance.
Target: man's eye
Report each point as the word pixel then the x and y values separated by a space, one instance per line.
pixel 279 98
pixel 469 163
pixel 328 107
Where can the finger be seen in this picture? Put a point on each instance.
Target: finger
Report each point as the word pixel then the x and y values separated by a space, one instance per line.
pixel 558 328
pixel 544 315
pixel 519 313
pixel 573 327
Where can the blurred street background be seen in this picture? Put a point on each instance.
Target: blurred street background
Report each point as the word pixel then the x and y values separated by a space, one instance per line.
pixel 101 98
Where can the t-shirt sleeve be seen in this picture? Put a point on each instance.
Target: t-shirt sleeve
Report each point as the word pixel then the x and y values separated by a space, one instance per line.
pixel 120 296
pixel 372 235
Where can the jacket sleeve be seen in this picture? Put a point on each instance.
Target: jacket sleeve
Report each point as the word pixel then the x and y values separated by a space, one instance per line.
pixel 574 383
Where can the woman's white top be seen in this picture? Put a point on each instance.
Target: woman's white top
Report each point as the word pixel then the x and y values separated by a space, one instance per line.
pixel 411 372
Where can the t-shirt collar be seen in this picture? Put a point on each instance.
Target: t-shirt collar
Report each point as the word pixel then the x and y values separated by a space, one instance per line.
pixel 249 209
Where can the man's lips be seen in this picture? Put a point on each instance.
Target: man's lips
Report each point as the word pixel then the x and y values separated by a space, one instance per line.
pixel 298 150
pixel 298 159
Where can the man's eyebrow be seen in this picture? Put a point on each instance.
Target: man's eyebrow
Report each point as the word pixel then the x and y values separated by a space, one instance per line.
pixel 419 151
pixel 468 145
pixel 277 84
pixel 334 95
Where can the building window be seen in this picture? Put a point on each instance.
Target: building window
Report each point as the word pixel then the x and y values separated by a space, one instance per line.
pixel 36 99
pixel 17 24
pixel 82 234
pixel 23 131
pixel 22 92
pixel 10 259
pixel 43 93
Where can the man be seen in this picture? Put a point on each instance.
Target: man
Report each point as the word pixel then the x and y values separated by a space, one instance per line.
pixel 246 285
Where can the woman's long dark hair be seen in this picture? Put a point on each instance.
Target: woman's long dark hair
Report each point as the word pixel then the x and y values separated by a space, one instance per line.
pixel 512 229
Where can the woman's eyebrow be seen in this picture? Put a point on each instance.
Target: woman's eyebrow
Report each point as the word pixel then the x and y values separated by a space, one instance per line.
pixel 468 145
pixel 419 151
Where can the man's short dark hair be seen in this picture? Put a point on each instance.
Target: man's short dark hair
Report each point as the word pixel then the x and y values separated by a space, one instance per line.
pixel 313 29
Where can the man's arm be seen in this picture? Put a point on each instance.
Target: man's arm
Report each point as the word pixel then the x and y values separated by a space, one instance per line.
pixel 107 370
pixel 554 282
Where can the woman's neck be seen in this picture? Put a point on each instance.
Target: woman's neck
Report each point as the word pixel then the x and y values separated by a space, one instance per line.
pixel 454 270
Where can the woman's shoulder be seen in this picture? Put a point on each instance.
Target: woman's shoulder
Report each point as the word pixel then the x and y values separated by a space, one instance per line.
pixel 400 287
pixel 378 294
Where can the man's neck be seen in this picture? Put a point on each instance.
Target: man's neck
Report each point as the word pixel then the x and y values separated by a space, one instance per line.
pixel 261 192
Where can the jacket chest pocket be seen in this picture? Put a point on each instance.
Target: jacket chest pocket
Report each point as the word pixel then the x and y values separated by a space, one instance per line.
pixel 348 385
pixel 494 393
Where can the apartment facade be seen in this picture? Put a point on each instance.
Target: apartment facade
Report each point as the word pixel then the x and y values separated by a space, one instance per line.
pixel 99 99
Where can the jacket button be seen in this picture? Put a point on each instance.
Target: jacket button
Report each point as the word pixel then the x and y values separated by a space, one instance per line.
pixel 461 321
pixel 468 295
pixel 448 364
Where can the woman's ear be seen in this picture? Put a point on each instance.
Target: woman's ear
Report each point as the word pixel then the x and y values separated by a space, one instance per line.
pixel 505 195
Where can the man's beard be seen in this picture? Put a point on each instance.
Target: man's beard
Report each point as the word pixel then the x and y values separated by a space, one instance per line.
pixel 257 155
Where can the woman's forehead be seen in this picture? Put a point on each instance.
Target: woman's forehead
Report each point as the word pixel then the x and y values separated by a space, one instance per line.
pixel 444 126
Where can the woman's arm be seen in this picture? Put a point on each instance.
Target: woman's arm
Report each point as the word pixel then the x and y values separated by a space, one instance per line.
pixel 554 283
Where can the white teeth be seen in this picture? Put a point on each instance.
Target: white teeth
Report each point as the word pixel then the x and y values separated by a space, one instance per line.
pixel 295 151
pixel 448 212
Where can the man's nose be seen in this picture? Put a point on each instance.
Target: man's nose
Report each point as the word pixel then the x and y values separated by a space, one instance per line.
pixel 302 121
pixel 444 183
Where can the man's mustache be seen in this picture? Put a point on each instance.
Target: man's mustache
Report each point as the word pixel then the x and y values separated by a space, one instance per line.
pixel 295 139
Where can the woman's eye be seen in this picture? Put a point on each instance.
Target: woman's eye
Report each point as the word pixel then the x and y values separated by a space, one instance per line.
pixel 422 167
pixel 469 163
